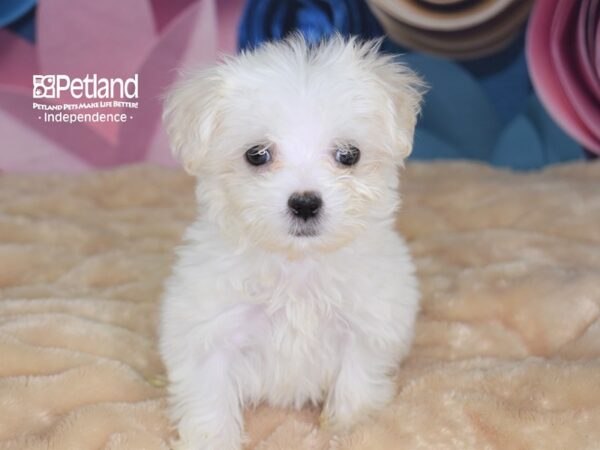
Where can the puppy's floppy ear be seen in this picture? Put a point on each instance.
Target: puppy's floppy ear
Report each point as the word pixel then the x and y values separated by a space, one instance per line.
pixel 191 116
pixel 405 93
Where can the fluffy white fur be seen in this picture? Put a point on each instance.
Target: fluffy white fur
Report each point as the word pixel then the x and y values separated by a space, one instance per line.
pixel 252 312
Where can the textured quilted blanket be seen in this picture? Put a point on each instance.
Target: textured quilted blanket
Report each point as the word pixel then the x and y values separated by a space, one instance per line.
pixel 507 352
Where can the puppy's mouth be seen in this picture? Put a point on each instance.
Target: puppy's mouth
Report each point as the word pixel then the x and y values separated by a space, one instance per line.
pixel 304 230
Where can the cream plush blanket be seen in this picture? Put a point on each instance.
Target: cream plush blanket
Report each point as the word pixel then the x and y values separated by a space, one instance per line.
pixel 507 352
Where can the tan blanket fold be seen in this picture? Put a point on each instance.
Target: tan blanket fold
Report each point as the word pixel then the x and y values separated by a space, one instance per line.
pixel 507 353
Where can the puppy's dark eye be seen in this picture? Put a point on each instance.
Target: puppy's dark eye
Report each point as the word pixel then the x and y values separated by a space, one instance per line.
pixel 258 155
pixel 347 156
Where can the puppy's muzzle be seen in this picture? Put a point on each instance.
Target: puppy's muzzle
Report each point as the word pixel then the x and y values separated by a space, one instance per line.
pixel 305 205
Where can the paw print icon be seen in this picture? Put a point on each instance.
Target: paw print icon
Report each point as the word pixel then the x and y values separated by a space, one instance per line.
pixel 44 86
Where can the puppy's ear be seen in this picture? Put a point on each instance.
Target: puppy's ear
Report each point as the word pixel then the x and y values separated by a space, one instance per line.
pixel 191 116
pixel 405 93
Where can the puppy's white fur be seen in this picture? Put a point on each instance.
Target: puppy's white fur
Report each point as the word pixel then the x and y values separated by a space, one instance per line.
pixel 252 312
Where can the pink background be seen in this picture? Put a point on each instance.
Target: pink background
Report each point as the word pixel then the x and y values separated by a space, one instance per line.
pixel 111 38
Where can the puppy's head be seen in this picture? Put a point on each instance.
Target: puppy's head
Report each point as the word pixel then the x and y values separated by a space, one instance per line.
pixel 296 147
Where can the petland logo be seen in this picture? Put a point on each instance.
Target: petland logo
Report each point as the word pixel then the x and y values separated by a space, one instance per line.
pixel 90 87
pixel 84 100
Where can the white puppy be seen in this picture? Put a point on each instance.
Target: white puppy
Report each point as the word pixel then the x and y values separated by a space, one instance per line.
pixel 292 286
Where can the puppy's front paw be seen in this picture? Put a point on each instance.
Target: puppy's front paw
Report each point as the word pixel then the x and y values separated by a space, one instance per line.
pixel 204 440
pixel 330 420
pixel 351 403
pixel 209 429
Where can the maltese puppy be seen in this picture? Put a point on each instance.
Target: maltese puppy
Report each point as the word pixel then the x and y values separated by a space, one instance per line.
pixel 292 286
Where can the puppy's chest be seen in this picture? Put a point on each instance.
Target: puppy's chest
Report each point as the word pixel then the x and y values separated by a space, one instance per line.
pixel 304 309
pixel 306 314
pixel 302 347
pixel 303 301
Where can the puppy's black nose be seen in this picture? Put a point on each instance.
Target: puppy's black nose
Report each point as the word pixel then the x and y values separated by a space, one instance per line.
pixel 305 205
